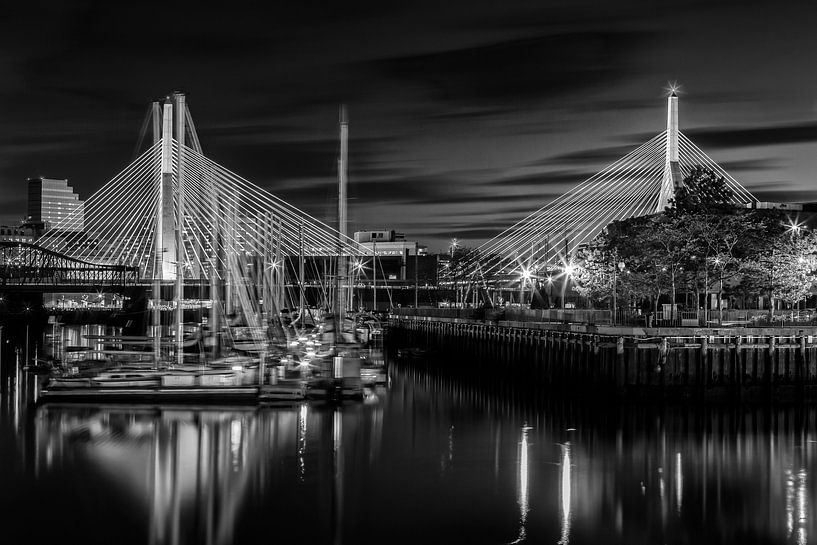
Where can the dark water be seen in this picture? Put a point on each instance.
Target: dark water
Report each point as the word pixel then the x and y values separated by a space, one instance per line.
pixel 428 461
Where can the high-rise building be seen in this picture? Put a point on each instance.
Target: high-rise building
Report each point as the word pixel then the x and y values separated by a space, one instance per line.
pixel 54 204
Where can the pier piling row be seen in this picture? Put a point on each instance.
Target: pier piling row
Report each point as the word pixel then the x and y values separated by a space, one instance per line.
pixel 776 364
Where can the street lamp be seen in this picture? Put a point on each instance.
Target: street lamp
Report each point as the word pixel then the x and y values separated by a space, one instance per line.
pixel 794 227
pixel 567 273
pixel 617 267
pixel 719 264
pixel 524 278
pixel 550 290
pixel 452 248
pixel 453 245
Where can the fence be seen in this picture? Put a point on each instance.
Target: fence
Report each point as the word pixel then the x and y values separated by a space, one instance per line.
pixel 513 314
pixel 683 318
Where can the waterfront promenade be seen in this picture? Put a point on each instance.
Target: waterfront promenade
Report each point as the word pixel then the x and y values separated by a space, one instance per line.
pixel 763 363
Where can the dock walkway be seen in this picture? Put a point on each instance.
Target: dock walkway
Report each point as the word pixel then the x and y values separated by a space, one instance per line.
pixel 745 363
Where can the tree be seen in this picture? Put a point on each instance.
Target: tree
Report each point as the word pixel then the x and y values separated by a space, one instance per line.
pixel 702 189
pixel 783 268
pixel 701 243
pixel 594 277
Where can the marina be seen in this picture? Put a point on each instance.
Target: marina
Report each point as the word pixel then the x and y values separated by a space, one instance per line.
pixel 411 273
pixel 254 334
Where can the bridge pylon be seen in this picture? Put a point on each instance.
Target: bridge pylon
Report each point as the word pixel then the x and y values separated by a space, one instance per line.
pixel 672 177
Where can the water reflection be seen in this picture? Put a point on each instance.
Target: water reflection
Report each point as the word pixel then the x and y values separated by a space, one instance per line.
pixel 529 471
pixel 523 484
pixel 565 484
pixel 679 483
pixel 796 504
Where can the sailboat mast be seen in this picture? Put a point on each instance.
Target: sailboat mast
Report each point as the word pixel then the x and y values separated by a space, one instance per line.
pixel 301 274
pixel 180 109
pixel 340 277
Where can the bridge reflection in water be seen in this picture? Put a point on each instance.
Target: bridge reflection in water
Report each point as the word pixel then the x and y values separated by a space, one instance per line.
pixel 431 460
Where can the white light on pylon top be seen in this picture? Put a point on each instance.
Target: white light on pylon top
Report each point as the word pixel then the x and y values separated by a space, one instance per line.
pixel 673 88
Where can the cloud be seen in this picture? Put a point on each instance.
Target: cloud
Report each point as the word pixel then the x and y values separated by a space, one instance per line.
pixel 566 178
pixel 520 69
pixel 770 135
pixel 258 155
pixel 605 155
pixel 749 165
pixel 783 195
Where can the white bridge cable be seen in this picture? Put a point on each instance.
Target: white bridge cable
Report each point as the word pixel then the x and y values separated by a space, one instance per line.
pixel 612 192
pixel 134 223
pixel 205 220
pixel 628 187
pixel 320 231
pixel 623 206
pixel 626 203
pixel 696 156
pixel 205 215
pixel 567 206
pixel 110 189
pixel 250 242
pixel 244 239
pixel 56 234
pixel 564 200
pixel 111 206
pixel 116 220
pixel 127 249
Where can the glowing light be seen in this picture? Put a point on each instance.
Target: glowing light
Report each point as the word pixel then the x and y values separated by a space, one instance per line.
pixel 801 498
pixel 570 269
pixel 235 443
pixel 673 88
pixel 679 483
pixel 526 275
pixel 794 227
pixel 564 492
pixel 522 499
pixel 302 414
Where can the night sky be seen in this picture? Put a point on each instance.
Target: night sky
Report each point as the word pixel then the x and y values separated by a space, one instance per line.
pixel 464 115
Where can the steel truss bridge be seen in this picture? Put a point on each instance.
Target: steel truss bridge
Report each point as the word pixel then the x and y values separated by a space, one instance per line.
pixel 24 265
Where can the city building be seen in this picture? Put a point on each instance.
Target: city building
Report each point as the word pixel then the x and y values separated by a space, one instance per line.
pixel 54 204
pixel 18 233
pixel 389 243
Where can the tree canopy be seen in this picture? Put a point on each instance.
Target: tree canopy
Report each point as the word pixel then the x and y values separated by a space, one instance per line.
pixel 701 244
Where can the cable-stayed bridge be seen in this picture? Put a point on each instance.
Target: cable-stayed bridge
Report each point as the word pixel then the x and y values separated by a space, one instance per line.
pixel 175 215
pixel 640 183
pixel 180 218
pixel 173 212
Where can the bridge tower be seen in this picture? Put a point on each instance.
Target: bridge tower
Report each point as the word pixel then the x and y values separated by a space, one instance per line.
pixel 165 213
pixel 169 243
pixel 672 169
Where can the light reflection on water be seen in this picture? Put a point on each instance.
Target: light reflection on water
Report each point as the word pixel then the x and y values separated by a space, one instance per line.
pixel 565 484
pixel 537 472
